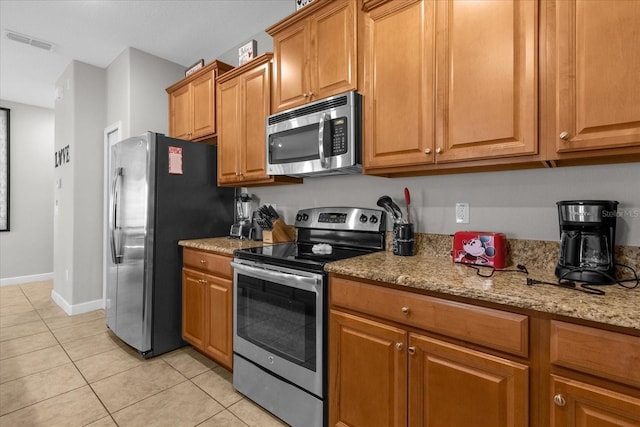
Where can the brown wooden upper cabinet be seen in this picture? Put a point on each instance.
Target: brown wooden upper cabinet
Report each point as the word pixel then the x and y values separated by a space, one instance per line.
pixel 448 81
pixel 593 74
pixel 192 104
pixel 243 101
pixel 314 53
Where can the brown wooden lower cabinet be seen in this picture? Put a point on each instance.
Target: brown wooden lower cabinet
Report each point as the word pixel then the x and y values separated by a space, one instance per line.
pixel 578 404
pixel 385 376
pixel 400 358
pixel 207 305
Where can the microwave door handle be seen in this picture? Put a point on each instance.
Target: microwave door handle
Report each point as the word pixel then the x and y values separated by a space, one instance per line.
pixel 322 135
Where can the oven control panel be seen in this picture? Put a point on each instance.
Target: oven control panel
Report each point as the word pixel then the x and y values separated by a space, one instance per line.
pixel 342 218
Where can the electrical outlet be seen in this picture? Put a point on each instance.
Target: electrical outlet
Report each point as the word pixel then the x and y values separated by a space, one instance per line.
pixel 462 213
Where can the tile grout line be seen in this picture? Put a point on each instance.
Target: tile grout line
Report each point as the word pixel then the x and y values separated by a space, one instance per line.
pixel 70 359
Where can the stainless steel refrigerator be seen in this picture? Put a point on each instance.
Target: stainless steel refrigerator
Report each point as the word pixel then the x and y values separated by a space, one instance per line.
pixel 161 190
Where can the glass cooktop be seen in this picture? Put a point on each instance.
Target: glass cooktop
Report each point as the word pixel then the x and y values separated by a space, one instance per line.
pixel 299 255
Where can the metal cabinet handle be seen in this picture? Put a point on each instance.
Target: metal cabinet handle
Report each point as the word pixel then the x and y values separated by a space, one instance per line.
pixel 399 346
pixel 203 261
pixel 405 310
pixel 202 282
pixel 564 135
pixel 427 151
pixel 411 350
pixel 438 150
pixel 559 400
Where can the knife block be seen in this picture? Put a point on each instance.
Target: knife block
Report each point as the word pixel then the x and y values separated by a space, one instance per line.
pixel 281 233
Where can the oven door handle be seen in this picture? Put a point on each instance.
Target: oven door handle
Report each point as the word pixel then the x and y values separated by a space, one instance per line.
pixel 307 283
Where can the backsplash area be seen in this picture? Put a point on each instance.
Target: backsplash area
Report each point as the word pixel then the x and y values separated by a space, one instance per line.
pixel 521 204
pixel 540 254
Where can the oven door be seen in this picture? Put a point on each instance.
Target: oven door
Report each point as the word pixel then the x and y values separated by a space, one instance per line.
pixel 278 322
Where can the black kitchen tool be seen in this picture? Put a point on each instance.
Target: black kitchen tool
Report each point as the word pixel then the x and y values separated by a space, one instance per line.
pixel 389 205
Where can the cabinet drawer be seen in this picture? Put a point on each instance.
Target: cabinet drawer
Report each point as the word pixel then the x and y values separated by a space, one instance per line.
pixel 213 263
pixel 484 326
pixel 603 353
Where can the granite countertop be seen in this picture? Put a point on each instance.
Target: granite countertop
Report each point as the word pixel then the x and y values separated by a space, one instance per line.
pixel 432 270
pixel 435 273
pixel 220 245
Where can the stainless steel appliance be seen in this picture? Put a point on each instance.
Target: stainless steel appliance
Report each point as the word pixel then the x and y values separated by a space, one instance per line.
pixel 319 138
pixel 161 190
pixel 242 228
pixel 587 241
pixel 280 310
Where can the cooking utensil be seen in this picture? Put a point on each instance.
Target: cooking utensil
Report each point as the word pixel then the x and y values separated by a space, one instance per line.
pixel 273 212
pixel 407 199
pixel 389 205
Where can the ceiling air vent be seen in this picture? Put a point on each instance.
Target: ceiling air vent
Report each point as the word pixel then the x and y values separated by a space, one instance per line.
pixel 22 38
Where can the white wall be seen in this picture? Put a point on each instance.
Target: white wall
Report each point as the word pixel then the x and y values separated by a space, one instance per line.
pixel 80 119
pixel 26 251
pixel 136 83
pixel 518 203
pixel 150 76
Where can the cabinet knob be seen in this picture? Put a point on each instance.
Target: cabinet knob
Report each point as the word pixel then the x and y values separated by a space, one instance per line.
pixel 564 135
pixel 405 310
pixel 411 350
pixel 559 400
pixel 399 346
pixel 427 151
pixel 438 150
pixel 203 261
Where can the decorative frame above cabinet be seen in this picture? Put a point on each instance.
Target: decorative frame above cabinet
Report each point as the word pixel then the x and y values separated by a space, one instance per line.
pixel 192 104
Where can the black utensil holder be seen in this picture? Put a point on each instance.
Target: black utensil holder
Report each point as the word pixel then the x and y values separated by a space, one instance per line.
pixel 403 243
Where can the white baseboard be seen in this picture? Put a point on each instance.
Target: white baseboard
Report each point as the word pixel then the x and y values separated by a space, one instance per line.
pixel 76 308
pixel 26 279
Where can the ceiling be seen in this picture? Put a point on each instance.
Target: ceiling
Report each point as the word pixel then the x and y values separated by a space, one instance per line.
pixel 97 31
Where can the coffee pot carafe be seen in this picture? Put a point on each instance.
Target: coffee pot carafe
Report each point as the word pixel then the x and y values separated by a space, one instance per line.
pixel 587 241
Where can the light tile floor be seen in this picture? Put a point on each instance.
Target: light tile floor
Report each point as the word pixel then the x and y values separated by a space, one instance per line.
pixel 60 370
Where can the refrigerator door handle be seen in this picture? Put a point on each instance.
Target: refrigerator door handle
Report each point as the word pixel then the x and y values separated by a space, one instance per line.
pixel 117 258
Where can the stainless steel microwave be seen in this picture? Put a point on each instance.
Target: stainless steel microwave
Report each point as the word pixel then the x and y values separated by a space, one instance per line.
pixel 319 138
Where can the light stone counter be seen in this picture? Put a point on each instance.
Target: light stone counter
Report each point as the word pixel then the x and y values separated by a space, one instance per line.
pixel 437 273
pixel 219 245
pixel 432 270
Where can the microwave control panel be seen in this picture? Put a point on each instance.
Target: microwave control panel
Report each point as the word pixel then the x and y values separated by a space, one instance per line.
pixel 338 136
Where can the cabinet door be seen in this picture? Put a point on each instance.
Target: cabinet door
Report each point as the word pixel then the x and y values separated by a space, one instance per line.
pixel 218 329
pixel 290 65
pixel 229 131
pixel 256 105
pixel 333 50
pixel 486 79
pixel 399 84
pixel 367 373
pixel 180 119
pixel 204 113
pixel 193 307
pixel 577 404
pixel 597 75
pixel 454 386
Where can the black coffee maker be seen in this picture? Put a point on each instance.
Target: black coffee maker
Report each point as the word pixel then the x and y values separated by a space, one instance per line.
pixel 587 241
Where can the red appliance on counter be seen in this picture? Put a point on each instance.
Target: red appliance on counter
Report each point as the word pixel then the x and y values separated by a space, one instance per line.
pixel 480 248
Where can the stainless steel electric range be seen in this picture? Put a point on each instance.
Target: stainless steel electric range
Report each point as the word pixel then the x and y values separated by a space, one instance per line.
pixel 281 312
